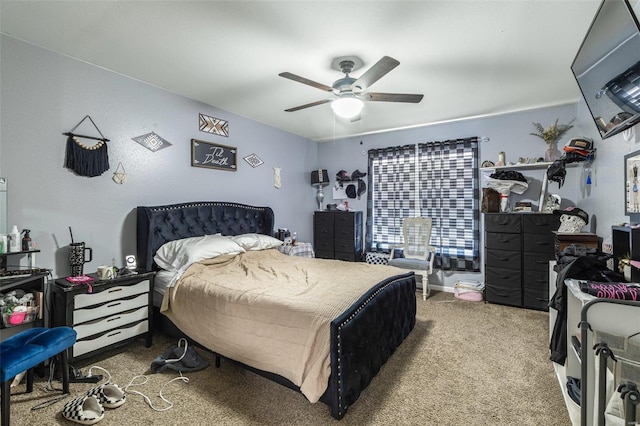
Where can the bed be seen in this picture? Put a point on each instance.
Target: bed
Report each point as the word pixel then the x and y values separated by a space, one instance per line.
pixel 376 310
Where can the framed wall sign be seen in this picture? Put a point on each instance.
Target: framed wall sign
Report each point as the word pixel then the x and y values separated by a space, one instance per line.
pixel 213 156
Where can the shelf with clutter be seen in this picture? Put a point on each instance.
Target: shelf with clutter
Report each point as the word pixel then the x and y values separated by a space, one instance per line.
pixel 517 166
pixel 346 186
pixel 500 180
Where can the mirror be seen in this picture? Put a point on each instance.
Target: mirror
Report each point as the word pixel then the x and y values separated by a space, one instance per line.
pixel 3 205
pixel 632 186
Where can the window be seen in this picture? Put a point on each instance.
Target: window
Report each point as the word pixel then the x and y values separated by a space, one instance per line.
pixel 437 180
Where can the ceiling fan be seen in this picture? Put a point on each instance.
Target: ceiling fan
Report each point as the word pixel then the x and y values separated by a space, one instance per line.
pixel 351 92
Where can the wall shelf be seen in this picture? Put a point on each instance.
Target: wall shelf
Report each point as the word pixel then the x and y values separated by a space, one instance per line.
pixel 532 166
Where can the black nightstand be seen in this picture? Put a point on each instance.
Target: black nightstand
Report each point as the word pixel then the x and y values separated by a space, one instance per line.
pixel 105 313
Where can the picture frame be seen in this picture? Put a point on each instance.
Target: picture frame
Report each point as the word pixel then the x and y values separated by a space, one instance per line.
pixel 632 186
pixel 213 155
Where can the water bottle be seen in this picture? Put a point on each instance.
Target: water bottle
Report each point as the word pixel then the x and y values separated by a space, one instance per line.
pixel 14 243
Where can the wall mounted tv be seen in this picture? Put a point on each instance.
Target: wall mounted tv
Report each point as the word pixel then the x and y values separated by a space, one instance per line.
pixel 607 67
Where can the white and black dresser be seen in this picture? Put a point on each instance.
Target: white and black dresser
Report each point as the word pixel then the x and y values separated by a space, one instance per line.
pixel 106 314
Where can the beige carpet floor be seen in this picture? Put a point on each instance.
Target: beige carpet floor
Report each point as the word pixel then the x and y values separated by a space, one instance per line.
pixel 465 363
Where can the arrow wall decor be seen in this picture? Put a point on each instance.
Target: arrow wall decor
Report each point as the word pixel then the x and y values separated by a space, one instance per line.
pixel 214 125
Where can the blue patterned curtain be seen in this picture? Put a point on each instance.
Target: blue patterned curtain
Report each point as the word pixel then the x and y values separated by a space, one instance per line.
pixel 437 180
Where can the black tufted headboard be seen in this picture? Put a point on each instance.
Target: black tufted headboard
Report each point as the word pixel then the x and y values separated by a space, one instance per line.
pixel 160 224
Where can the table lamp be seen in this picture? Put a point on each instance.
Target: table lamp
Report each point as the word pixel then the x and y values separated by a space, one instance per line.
pixel 320 179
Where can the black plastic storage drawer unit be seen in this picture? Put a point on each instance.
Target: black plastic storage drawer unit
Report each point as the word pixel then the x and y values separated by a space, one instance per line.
pixel 518 247
pixel 338 235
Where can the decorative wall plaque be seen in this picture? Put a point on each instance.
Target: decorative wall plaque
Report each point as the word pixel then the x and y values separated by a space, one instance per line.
pixel 214 125
pixel 253 160
pixel 213 156
pixel 152 141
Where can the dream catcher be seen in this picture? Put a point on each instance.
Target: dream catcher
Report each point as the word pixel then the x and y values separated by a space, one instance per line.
pixel 85 159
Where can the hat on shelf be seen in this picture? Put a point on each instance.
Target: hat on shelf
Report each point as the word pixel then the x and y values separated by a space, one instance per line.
pixel 362 187
pixel 351 190
pixel 343 176
pixel 357 174
pixel 572 220
pixel 574 211
pixel 582 146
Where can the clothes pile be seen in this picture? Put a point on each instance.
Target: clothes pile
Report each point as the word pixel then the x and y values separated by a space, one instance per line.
pixel 506 182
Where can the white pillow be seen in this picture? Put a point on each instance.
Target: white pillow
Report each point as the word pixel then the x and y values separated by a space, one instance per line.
pixel 256 241
pixel 177 254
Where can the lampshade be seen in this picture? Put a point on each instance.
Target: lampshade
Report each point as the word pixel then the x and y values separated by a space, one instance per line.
pixel 347 107
pixel 320 178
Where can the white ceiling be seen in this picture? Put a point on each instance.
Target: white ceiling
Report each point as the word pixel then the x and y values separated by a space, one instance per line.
pixel 469 58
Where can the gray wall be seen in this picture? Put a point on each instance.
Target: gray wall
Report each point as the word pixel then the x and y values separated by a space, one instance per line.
pixel 45 94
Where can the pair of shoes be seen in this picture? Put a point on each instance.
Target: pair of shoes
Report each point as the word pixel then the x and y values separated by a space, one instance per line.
pixel 110 396
pixel 88 409
pixel 85 410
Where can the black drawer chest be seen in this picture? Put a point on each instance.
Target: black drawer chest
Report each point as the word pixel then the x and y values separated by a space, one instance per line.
pixel 518 248
pixel 338 235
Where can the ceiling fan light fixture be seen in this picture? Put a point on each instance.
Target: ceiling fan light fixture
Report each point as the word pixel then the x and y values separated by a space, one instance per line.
pixel 347 107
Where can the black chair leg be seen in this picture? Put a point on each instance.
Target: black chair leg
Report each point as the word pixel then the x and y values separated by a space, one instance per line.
pixel 30 380
pixel 6 396
pixel 64 366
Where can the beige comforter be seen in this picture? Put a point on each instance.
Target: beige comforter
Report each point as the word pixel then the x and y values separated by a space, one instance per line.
pixel 270 311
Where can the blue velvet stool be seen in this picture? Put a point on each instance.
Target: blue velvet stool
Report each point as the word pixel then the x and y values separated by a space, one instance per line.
pixel 26 350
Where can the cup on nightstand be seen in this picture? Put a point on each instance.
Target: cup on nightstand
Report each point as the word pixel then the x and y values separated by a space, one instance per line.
pixel 105 272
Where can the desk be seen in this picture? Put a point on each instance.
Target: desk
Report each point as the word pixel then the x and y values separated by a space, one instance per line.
pixel 299 249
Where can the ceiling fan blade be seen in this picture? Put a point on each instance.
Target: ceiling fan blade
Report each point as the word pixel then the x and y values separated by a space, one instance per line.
pixel 306 81
pixel 376 72
pixel 392 97
pixel 323 101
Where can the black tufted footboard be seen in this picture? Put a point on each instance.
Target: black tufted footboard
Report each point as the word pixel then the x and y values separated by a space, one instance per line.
pixel 365 336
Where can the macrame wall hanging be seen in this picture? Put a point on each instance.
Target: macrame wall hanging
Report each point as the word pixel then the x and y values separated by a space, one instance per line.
pixel 86 160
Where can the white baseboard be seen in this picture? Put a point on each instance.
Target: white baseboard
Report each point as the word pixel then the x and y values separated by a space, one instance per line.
pixel 446 289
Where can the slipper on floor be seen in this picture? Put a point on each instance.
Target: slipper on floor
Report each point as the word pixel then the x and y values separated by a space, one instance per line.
pixel 110 396
pixel 85 410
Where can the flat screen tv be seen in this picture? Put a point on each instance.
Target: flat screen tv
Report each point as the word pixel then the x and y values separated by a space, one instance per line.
pixel 607 67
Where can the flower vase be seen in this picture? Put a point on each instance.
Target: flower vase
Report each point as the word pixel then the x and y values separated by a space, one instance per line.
pixel 552 153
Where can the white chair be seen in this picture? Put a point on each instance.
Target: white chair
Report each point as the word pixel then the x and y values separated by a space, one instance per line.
pixel 418 254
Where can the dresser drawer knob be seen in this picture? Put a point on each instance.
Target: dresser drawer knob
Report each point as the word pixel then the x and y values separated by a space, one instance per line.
pixel 113 319
pixel 114 304
pixel 114 290
pixel 114 334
